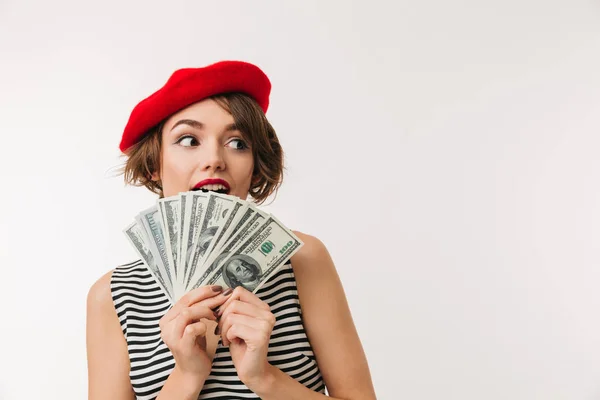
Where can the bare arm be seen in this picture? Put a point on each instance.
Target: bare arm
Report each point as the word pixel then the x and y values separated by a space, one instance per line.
pixel 180 387
pixel 107 357
pixel 330 329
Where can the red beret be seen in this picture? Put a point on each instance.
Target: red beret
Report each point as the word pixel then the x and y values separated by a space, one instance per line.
pixel 190 85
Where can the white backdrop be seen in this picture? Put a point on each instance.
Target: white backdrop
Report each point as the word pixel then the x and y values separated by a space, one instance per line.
pixel 446 152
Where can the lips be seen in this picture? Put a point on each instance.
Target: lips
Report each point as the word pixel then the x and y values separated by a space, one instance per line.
pixel 213 185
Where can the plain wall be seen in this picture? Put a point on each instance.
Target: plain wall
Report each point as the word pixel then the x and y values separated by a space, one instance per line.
pixel 446 152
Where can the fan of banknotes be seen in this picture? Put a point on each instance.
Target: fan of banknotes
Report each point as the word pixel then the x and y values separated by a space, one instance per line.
pixel 207 238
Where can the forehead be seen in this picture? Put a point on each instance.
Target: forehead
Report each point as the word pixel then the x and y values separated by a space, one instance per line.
pixel 207 111
pixel 235 263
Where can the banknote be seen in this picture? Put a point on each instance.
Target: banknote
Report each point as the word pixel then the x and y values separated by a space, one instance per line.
pixel 257 258
pixel 241 217
pixel 196 206
pixel 226 226
pixel 169 211
pixel 217 208
pixel 202 238
pixel 182 218
pixel 151 222
pixel 252 219
pixel 137 237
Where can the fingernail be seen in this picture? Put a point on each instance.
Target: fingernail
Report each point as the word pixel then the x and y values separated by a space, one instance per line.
pixel 217 288
pixel 216 313
pixel 217 330
pixel 227 292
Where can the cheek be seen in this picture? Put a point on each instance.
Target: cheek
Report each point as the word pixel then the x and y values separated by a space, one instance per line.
pixel 250 166
pixel 242 170
pixel 174 174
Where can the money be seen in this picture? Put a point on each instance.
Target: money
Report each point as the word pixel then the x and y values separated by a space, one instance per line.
pixel 217 208
pixel 234 216
pixel 151 222
pixel 254 219
pixel 138 239
pixel 201 238
pixel 257 258
pixel 182 218
pixel 196 205
pixel 169 213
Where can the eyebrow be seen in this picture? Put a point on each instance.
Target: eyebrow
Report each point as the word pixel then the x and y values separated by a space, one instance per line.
pixel 199 125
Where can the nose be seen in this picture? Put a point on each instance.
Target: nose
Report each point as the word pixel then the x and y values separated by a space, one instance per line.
pixel 212 158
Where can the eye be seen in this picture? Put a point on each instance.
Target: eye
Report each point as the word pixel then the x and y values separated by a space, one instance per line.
pixel 187 141
pixel 238 144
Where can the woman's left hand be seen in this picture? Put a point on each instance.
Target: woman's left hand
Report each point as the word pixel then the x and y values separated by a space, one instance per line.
pixel 246 324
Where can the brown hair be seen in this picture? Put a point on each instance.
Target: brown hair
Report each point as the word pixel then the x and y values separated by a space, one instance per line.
pixel 143 158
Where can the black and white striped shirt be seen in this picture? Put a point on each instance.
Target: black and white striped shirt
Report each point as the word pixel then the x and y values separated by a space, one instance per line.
pixel 140 304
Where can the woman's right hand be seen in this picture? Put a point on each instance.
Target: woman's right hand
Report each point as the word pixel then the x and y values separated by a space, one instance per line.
pixel 184 333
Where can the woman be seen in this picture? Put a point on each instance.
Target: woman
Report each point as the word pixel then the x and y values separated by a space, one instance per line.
pixel 289 340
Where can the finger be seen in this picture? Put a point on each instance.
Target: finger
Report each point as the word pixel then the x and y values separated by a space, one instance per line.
pixel 252 310
pixel 245 333
pixel 244 295
pixel 212 302
pixel 197 294
pixel 232 319
pixel 190 298
pixel 201 309
pixel 189 316
pixel 192 332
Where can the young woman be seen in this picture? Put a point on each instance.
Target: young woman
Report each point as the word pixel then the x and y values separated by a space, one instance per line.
pixel 291 339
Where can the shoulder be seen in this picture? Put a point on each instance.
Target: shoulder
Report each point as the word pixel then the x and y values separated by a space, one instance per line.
pixel 312 263
pixel 313 250
pixel 99 296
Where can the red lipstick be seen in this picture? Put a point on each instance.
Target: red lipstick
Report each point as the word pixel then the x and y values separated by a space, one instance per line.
pixel 212 182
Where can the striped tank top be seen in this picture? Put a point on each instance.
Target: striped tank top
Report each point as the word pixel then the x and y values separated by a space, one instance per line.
pixel 140 304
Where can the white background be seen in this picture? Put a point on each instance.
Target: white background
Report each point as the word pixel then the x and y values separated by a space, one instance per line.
pixel 446 152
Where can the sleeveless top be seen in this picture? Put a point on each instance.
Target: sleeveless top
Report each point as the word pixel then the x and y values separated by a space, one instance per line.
pixel 140 304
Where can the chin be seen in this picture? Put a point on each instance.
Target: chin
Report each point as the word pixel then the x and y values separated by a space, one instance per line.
pixel 238 196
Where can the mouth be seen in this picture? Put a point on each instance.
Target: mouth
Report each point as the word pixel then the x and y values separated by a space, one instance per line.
pixel 213 185
pixel 206 190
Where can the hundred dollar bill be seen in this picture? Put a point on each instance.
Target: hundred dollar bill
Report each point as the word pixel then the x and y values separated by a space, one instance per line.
pixel 169 211
pixel 258 257
pixel 151 221
pixel 252 219
pixel 217 209
pixel 196 203
pixel 230 228
pixel 137 237
pixel 239 209
pixel 181 218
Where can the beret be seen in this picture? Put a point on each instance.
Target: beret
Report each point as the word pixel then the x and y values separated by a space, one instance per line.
pixel 190 85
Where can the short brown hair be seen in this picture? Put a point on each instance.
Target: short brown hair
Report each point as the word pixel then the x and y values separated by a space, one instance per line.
pixel 143 158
